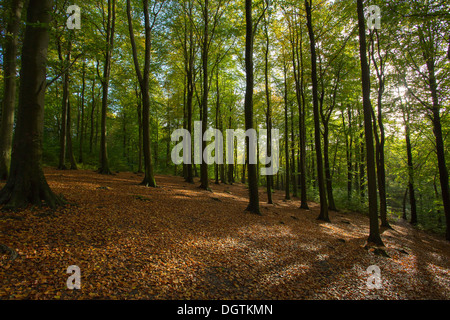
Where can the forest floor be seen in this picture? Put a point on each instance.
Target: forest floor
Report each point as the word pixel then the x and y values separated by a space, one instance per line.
pixel 181 242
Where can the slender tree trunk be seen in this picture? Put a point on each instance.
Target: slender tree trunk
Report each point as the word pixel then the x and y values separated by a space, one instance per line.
pixel 91 137
pixel 9 86
pixel 297 60
pixel 412 196
pixel 190 90
pixel 293 167
pixel 380 140
pixel 204 181
pixel 26 183
pixel 73 164
pixel 104 163
pixel 269 177
pixel 216 165
pixel 320 174
pixel 139 115
pixel 143 79
pixel 374 236
pixel 328 179
pixel 253 205
pixel 231 168
pixel 65 104
pixel 286 135
pixel 80 156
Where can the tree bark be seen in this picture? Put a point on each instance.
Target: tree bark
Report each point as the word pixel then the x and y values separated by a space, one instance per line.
pixel 9 86
pixel 253 205
pixel 374 235
pixel 204 180
pixel 143 78
pixel 269 178
pixel 104 163
pixel 320 174
pixel 297 60
pixel 80 156
pixel 286 136
pixel 26 183
pixel 73 164
pixel 412 196
pixel 65 103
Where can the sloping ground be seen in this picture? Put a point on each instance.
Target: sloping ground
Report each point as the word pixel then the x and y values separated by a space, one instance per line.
pixel 180 242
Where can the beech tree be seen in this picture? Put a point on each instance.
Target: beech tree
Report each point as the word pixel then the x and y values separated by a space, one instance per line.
pixel 14 11
pixel 26 183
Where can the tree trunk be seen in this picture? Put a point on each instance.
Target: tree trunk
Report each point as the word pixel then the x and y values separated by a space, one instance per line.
pixel 412 197
pixel 104 163
pixel 9 86
pixel 80 156
pixel 139 113
pixel 253 205
pixel 440 150
pixel 190 91
pixel 328 179
pixel 65 104
pixel 293 167
pixel 26 183
pixel 320 175
pixel 286 136
pixel 204 181
pixel 216 165
pixel 73 164
pixel 380 140
pixel 91 138
pixel 297 61
pixel 143 79
pixel 269 177
pixel 374 235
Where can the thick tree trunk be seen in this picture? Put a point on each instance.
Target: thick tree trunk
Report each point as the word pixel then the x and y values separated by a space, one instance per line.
pixel 440 149
pixel 374 235
pixel 320 174
pixel 26 183
pixel 253 205
pixel 9 87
